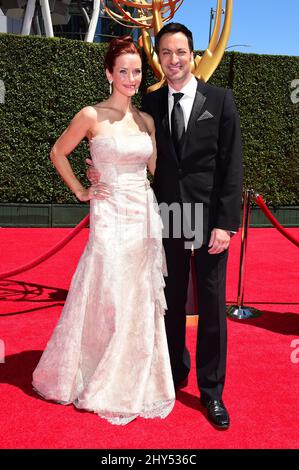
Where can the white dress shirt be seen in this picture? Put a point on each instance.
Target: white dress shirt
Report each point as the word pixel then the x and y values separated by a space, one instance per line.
pixel 186 101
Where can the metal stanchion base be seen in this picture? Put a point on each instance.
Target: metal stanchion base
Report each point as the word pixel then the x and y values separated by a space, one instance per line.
pixel 242 313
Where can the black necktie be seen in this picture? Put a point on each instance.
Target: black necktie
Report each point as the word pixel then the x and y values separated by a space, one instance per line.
pixel 177 123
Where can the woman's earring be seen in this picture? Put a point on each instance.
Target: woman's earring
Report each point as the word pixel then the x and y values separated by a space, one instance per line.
pixel 136 91
pixel 110 87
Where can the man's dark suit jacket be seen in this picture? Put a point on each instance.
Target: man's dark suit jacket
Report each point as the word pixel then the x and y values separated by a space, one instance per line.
pixel 209 169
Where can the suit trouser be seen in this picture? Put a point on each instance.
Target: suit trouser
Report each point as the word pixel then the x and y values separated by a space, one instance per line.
pixel 212 329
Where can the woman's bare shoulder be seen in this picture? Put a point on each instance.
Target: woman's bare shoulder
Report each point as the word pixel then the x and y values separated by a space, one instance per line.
pixel 148 120
pixel 87 113
pixel 105 109
pixel 94 109
pixel 96 113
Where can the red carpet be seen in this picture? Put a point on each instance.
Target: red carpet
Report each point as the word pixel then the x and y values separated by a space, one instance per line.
pixel 262 382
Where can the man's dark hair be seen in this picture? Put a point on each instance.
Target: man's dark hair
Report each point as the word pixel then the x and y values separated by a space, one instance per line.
pixel 174 28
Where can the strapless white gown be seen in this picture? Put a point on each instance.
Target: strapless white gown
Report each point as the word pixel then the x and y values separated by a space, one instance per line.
pixel 108 353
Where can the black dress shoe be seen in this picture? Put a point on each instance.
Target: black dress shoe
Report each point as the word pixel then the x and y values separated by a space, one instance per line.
pixel 182 384
pixel 217 413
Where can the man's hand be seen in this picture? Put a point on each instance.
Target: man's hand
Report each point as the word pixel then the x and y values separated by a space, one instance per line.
pixel 219 241
pixel 98 190
pixel 92 173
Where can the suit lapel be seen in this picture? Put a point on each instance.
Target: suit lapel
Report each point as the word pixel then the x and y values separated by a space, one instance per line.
pixel 164 110
pixel 198 103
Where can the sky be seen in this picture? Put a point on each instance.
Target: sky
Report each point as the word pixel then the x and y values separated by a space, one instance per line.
pixel 259 26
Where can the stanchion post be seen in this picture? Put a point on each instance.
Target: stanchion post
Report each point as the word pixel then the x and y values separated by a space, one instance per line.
pixel 239 311
pixel 244 236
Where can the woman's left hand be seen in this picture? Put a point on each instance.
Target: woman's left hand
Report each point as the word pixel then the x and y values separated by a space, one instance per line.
pixel 98 191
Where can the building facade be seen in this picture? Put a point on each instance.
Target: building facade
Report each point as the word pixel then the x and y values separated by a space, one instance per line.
pixel 69 19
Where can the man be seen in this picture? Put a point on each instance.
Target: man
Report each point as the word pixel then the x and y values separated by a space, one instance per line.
pixel 198 162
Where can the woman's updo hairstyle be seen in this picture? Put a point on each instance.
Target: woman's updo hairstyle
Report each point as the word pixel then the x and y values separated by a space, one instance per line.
pixel 117 47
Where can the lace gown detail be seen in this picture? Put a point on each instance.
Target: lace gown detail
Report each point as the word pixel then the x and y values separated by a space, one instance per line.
pixel 108 353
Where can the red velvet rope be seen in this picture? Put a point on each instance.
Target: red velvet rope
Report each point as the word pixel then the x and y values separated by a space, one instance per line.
pixel 258 199
pixel 49 253
pixel 262 205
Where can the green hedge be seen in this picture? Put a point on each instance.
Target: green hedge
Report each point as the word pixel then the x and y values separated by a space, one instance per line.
pixel 270 124
pixel 48 80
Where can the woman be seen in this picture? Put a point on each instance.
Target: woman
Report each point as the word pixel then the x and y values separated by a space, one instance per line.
pixel 108 352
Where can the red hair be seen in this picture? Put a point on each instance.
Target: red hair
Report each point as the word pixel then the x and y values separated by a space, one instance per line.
pixel 117 47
